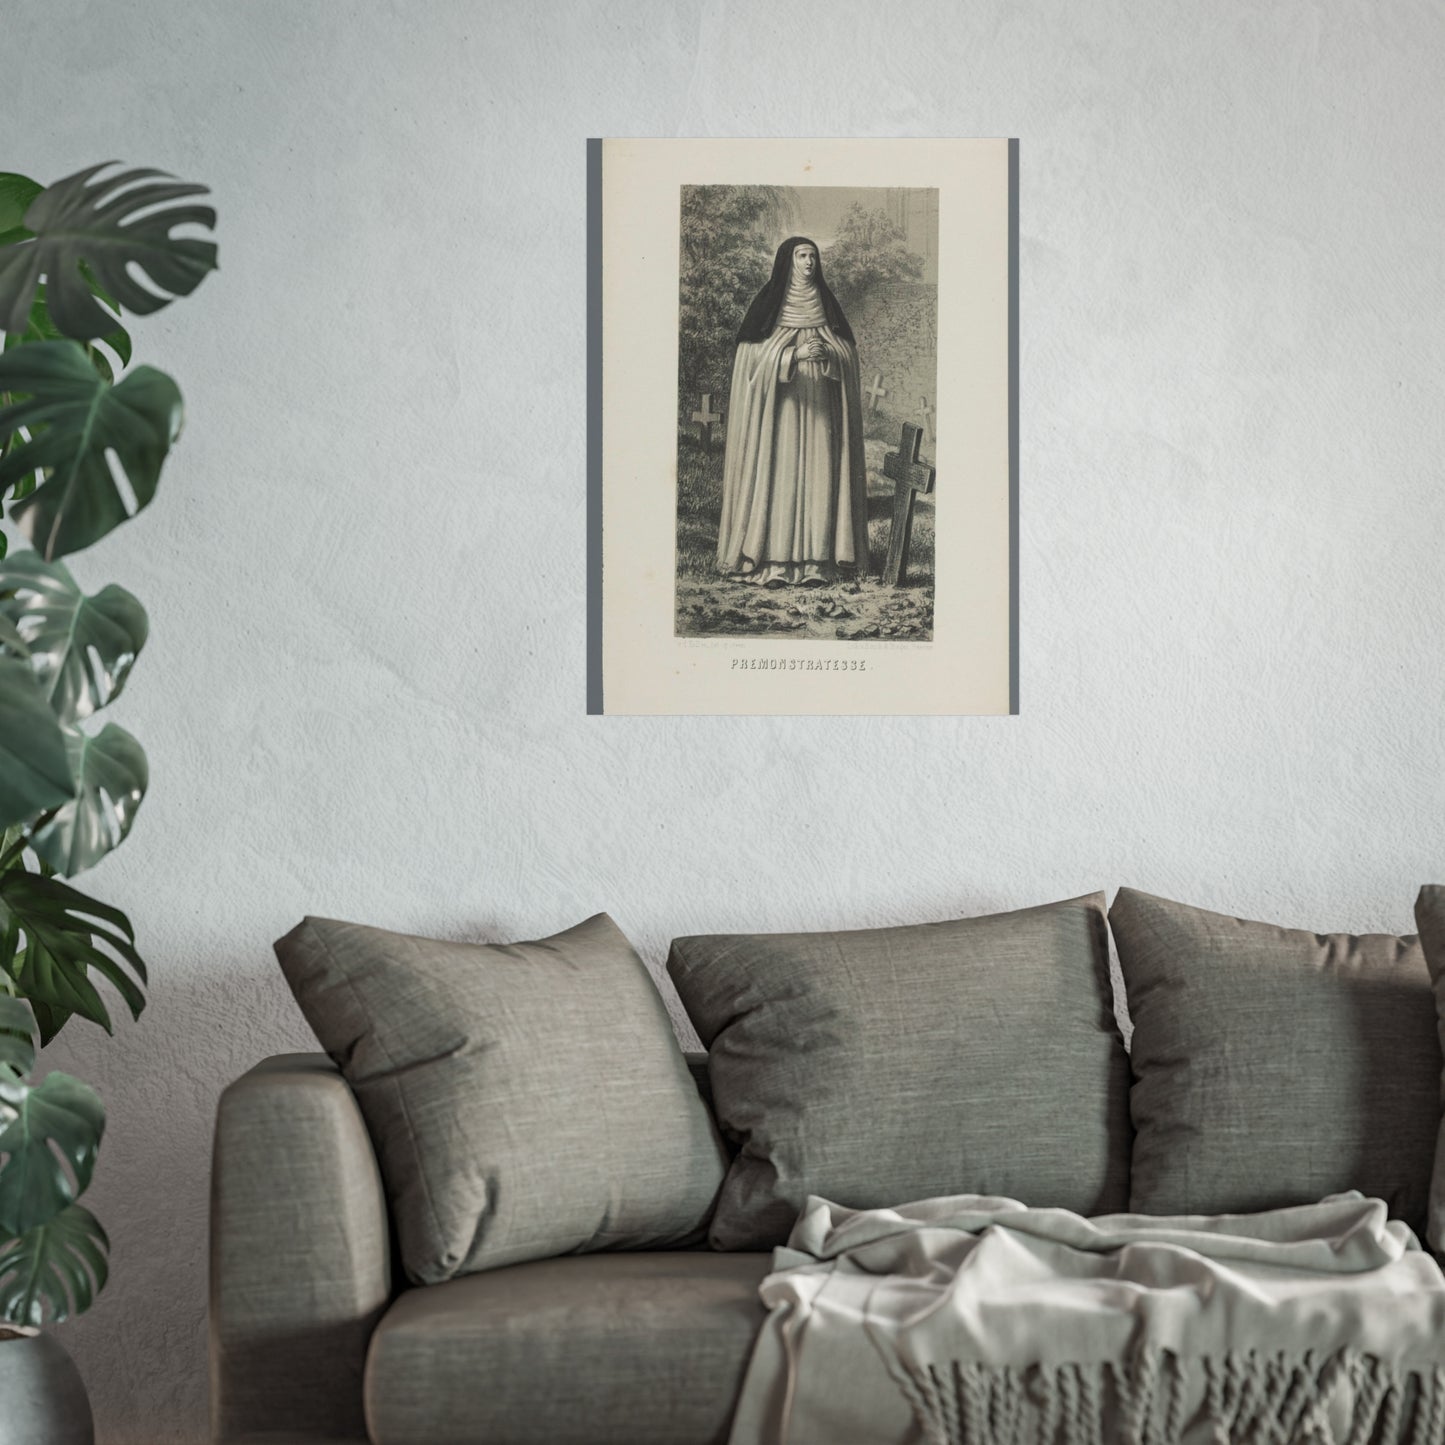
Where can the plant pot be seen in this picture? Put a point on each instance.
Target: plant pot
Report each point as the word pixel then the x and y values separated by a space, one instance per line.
pixel 42 1397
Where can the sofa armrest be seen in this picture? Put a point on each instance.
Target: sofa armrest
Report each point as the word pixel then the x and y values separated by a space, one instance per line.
pixel 300 1254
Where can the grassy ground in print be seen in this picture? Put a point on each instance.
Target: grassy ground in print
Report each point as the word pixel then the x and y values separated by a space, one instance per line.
pixel 712 606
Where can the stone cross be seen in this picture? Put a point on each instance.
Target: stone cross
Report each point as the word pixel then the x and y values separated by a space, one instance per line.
pixel 875 391
pixel 910 477
pixel 925 414
pixel 705 418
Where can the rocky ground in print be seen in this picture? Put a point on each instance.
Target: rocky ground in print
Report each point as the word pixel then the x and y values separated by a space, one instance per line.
pixel 712 606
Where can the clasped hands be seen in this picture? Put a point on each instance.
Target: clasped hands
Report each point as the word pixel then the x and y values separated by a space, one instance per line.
pixel 812 350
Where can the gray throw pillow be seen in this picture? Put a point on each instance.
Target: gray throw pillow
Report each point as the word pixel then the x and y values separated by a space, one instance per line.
pixel 524 1099
pixel 1430 920
pixel 1274 1066
pixel 882 1065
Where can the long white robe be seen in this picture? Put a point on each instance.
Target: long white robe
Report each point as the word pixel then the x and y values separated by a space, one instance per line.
pixel 794 502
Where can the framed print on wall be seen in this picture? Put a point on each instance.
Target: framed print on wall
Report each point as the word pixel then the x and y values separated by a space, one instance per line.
pixel 802 426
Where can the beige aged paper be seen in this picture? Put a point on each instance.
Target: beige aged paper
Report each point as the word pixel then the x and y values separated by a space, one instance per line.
pixel 646 668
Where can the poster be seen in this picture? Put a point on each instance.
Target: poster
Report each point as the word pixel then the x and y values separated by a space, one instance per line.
pixel 802 427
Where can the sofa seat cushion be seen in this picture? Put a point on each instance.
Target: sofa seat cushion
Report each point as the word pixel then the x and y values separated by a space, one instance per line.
pixel 644 1348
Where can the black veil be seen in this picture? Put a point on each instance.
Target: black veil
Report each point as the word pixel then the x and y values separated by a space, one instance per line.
pixel 763 313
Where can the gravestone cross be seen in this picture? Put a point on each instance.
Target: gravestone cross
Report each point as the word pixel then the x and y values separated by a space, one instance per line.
pixel 925 414
pixel 875 391
pixel 910 477
pixel 705 418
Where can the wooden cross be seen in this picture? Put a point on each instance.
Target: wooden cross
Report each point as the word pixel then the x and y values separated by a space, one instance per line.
pixel 925 414
pixel 875 391
pixel 705 418
pixel 910 477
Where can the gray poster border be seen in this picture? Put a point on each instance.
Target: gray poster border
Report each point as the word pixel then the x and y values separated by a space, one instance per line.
pixel 594 427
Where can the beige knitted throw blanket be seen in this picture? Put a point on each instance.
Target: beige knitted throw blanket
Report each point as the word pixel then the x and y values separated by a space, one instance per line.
pixel 976 1321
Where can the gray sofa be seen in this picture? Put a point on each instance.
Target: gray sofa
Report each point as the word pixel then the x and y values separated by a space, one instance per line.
pixel 1268 1067
pixel 312 1340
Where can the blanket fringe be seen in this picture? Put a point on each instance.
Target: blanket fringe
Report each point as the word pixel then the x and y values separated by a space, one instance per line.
pixel 1249 1398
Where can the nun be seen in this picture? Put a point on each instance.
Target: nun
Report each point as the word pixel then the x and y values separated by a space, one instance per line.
pixel 794 504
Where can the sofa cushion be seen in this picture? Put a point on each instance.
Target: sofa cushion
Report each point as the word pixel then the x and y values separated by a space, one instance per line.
pixel 1274 1066
pixel 524 1099
pixel 604 1349
pixel 1430 919
pixel 882 1065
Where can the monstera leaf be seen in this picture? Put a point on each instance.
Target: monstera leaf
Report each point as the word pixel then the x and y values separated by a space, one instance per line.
pixel 55 1271
pixel 81 648
pixel 76 419
pixel 34 762
pixel 50 1132
pixel 51 936
pixel 41 328
pixel 10 638
pixel 16 195
pixel 110 776
pixel 17 1041
pixel 82 222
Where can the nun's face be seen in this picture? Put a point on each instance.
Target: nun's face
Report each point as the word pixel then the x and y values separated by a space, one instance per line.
pixel 805 262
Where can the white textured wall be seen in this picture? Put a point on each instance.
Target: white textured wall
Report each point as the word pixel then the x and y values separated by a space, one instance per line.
pixel 364 690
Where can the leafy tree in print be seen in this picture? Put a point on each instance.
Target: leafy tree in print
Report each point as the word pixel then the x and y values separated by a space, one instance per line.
pixel 868 252
pixel 726 257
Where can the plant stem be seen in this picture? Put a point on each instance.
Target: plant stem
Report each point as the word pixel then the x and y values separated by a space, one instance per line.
pixel 15 849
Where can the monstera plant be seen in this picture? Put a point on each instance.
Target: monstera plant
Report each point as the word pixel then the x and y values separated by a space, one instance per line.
pixel 84 435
